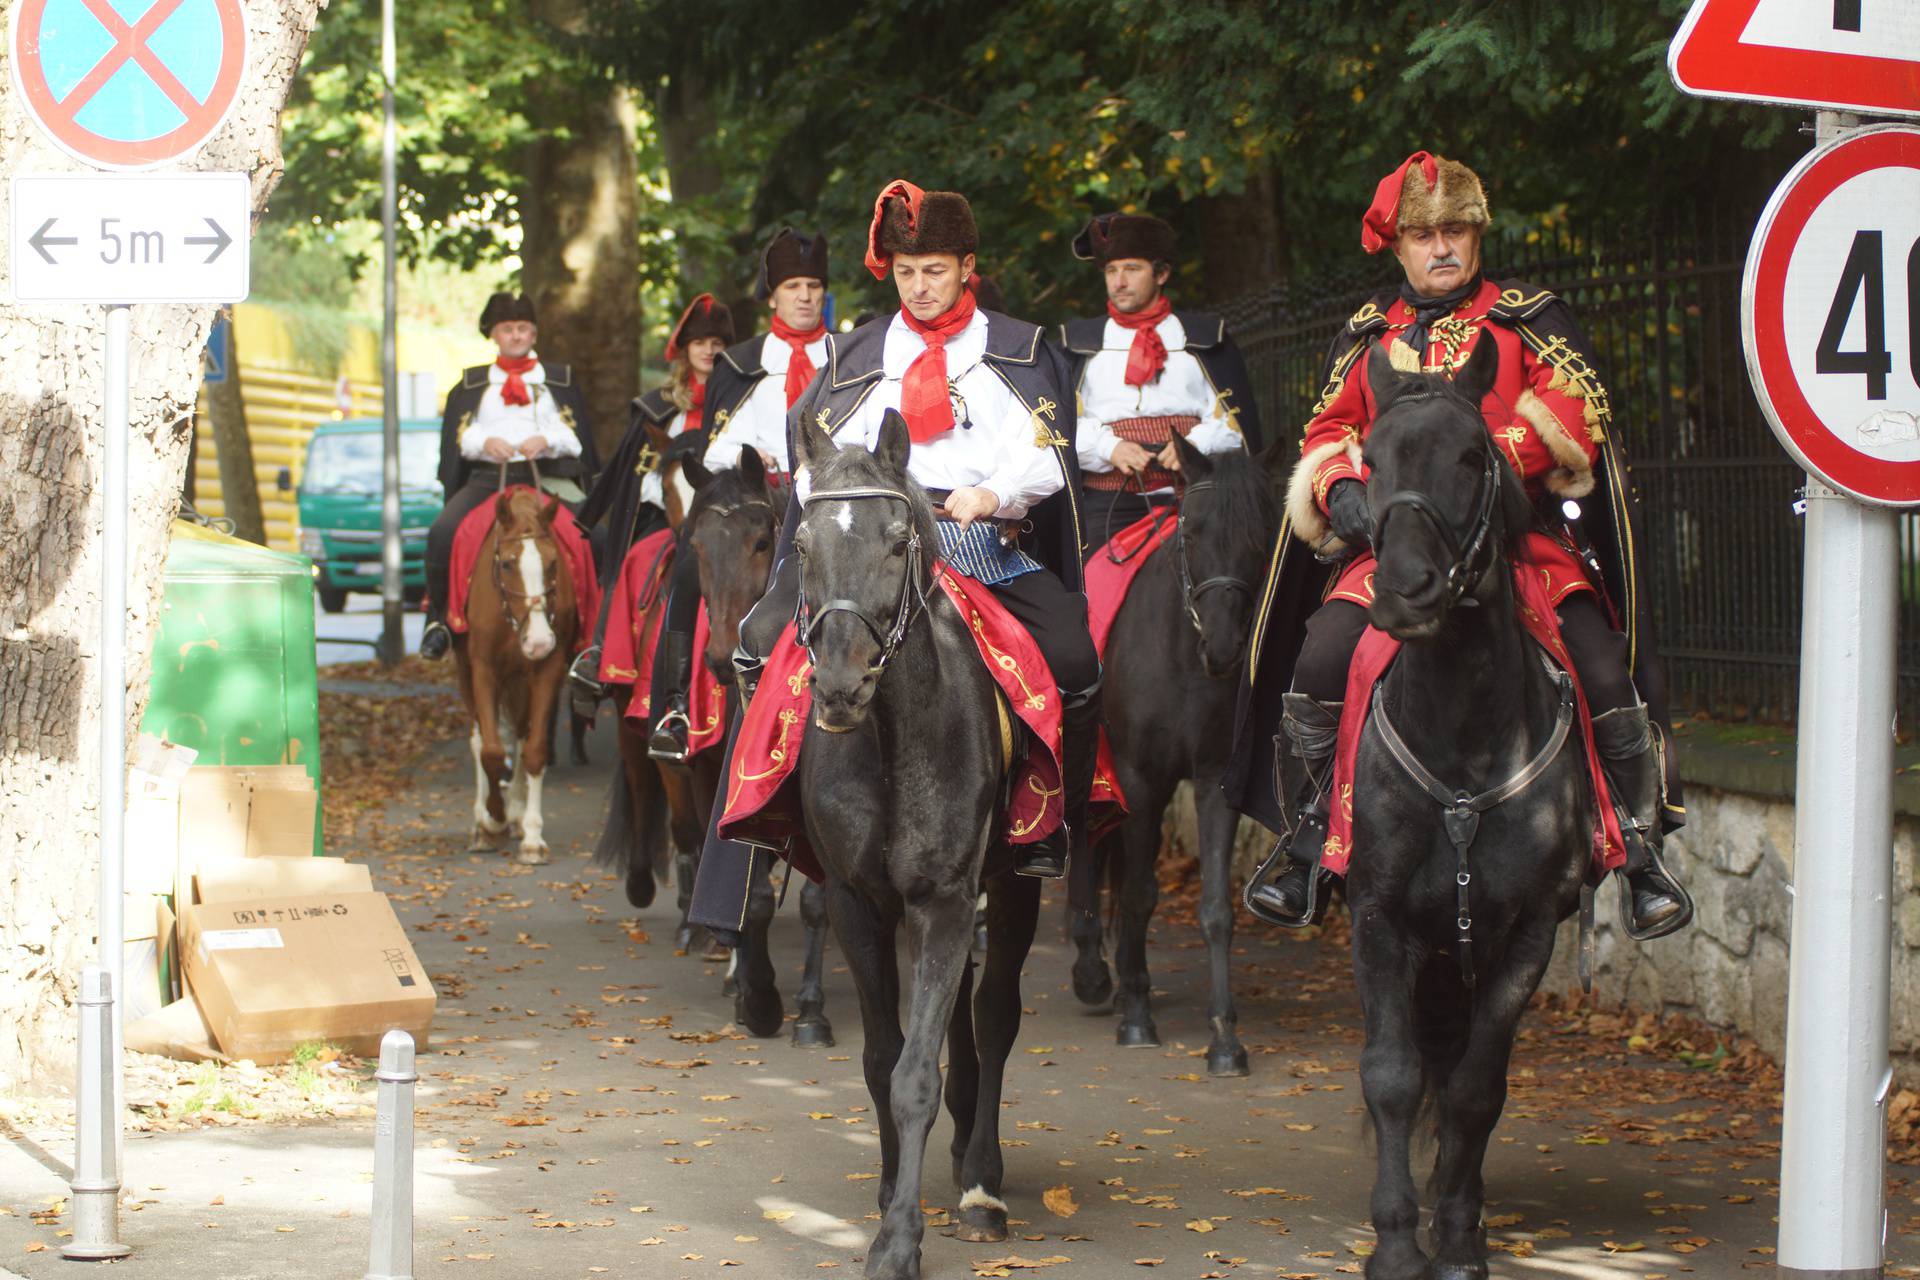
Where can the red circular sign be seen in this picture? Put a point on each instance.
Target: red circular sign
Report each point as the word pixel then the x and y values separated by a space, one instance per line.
pixel 83 69
pixel 1831 314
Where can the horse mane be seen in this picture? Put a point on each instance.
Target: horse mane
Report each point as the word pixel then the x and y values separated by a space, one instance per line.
pixel 857 468
pixel 1247 501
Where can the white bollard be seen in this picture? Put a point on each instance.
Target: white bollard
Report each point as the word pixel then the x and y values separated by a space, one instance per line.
pixel 96 1162
pixel 392 1255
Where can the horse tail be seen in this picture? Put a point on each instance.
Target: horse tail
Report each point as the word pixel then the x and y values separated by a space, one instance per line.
pixel 625 843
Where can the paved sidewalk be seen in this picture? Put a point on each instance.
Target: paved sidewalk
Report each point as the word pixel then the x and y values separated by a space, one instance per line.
pixel 587 1110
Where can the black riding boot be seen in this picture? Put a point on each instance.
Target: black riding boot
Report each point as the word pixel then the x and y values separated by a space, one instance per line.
pixel 1079 746
pixel 673 675
pixel 1654 904
pixel 435 639
pixel 1296 896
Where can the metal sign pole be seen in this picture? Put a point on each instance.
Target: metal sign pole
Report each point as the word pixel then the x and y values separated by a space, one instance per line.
pixel 393 643
pixel 1833 1139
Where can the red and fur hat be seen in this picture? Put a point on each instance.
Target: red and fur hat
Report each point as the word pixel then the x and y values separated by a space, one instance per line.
pixel 791 253
pixel 705 317
pixel 909 220
pixel 1110 237
pixel 1425 191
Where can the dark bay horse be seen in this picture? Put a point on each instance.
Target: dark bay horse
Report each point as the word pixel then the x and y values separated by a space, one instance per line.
pixel 901 780
pixel 1173 662
pixel 511 661
pixel 1455 903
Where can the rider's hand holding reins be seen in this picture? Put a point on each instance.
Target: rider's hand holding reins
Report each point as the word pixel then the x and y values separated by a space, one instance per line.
pixel 1349 512
pixel 497 450
pixel 969 503
pixel 533 447
pixel 1168 457
pixel 1130 457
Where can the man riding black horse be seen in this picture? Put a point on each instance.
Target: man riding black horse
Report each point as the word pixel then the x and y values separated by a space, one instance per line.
pixel 1550 418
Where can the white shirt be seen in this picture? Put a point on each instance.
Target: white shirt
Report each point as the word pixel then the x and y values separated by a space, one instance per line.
pixel 517 422
pixel 1000 451
pixel 761 419
pixel 1182 389
pixel 650 490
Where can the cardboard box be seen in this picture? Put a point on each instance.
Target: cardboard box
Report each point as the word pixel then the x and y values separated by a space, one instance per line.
pixel 261 811
pixel 176 1031
pixel 226 879
pixel 272 973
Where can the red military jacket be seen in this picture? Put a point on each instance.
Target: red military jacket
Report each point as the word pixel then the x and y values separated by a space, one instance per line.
pixel 1547 411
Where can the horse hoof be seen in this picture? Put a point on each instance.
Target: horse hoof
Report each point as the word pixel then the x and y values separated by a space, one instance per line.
pixel 1091 991
pixel 532 855
pixel 1393 1261
pixel 813 1032
pixel 981 1226
pixel 1137 1035
pixel 1227 1062
pixel 714 951
pixel 640 886
pixel 1460 1271
pixel 760 1012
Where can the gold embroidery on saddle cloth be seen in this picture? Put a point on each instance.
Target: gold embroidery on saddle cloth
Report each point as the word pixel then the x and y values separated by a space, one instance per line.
pixel 1007 662
pixel 798 680
pixel 1574 378
pixel 1046 794
pixel 712 725
pixel 778 755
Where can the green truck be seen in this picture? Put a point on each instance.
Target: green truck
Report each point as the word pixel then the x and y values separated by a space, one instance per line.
pixel 339 503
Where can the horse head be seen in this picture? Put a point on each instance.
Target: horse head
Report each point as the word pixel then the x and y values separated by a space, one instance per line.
pixel 681 471
pixel 1227 515
pixel 1445 504
pixel 867 544
pixel 527 570
pixel 730 527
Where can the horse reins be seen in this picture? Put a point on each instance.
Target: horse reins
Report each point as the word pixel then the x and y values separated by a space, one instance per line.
pixel 499 579
pixel 1464 570
pixel 1190 591
pixel 913 595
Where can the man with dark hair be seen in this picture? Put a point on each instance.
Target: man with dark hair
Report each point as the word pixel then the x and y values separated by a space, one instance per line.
pixel 518 407
pixel 754 385
pixel 1144 373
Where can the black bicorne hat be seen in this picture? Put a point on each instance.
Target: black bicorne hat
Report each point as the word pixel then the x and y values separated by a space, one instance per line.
pixel 504 306
pixel 1112 236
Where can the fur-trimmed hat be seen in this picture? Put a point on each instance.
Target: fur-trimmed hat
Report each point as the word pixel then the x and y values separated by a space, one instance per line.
pixel 705 317
pixel 1110 237
pixel 1425 191
pixel 789 254
pixel 909 220
pixel 504 306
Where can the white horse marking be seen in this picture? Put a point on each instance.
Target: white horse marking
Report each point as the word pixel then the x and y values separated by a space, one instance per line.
pixel 537 641
pixel 978 1198
pixel 843 516
pixel 533 824
pixel 482 820
pixel 683 489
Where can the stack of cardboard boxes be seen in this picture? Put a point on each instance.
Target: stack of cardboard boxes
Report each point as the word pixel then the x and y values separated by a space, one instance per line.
pixel 276 947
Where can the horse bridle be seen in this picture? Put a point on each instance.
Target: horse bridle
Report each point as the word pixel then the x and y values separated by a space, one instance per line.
pixel 913 594
pixel 1190 591
pixel 499 580
pixel 1464 568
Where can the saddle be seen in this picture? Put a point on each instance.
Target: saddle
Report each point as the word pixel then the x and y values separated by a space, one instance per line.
pixel 472 536
pixel 634 618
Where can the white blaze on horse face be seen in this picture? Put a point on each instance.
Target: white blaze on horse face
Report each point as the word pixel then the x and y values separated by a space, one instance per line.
pixel 844 517
pixel 536 639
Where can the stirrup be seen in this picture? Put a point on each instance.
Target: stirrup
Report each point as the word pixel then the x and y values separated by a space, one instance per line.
pixel 1318 879
pixel 665 745
pixel 584 673
pixel 1657 865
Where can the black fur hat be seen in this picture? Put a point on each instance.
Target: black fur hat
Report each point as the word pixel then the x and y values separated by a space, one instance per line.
pixel 1112 236
pixel 909 220
pixel 791 253
pixel 504 306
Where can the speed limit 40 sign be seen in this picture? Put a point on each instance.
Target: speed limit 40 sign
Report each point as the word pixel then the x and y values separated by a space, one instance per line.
pixel 1831 313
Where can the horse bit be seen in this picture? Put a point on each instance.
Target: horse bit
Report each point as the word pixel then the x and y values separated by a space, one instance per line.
pixel 913 595
pixel 1462 809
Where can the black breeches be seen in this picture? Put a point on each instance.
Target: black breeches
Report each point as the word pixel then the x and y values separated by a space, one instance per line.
pixel 1599 652
pixel 1056 618
pixel 673 672
pixel 459 505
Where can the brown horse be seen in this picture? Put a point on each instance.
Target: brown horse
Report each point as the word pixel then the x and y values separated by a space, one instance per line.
pixel 512 660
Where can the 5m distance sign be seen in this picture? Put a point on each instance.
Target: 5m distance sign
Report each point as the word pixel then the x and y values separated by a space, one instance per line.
pixel 1831 314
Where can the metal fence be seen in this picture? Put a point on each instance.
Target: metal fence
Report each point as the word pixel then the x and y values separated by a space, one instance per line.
pixel 1661 306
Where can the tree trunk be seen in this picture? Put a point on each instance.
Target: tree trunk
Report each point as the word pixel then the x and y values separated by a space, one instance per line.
pixel 233 449
pixel 51 385
pixel 1245 247
pixel 581 249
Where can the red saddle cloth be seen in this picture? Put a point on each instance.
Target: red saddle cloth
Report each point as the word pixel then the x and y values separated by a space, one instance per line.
pixel 472 535
pixel 763 801
pixel 634 618
pixel 1538 589
pixel 1108 583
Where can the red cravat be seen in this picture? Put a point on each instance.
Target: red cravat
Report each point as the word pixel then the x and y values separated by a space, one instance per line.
pixel 1148 355
pixel 515 390
pixel 924 399
pixel 799 368
pixel 697 407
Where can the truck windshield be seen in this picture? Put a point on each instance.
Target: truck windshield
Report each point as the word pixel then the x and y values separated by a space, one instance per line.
pixel 350 462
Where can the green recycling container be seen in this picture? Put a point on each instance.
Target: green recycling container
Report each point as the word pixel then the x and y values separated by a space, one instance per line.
pixel 234 675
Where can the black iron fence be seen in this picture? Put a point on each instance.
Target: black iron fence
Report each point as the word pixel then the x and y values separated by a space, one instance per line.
pixel 1661 306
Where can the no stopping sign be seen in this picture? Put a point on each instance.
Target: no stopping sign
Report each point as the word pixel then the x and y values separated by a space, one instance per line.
pixel 1830 311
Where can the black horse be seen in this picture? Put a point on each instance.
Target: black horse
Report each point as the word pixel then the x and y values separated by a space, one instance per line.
pixel 1472 816
pixel 901 781
pixel 1173 662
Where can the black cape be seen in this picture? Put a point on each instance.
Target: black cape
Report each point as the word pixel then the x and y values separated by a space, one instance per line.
pixel 1031 368
pixel 735 374
pixel 1297 582
pixel 464 401
pixel 615 497
pixel 1211 345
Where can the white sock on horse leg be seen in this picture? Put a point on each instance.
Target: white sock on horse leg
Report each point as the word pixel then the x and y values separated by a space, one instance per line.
pixel 481 818
pixel 533 823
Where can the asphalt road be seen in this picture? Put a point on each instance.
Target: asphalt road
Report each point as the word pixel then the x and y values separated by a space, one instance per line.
pixel 350 636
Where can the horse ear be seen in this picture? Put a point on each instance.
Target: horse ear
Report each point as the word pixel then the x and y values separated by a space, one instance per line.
pixel 752 470
pixel 1383 379
pixel 502 513
pixel 657 437
pixel 895 442
pixel 1194 464
pixel 812 444
pixel 694 468
pixel 1476 379
pixel 549 512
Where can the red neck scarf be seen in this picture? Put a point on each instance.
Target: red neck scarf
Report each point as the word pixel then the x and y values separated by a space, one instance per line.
pixel 799 369
pixel 1148 355
pixel 515 390
pixel 695 409
pixel 924 399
